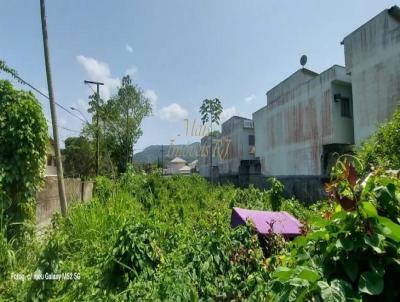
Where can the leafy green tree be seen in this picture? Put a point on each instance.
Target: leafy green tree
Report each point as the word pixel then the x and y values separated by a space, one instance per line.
pixel 210 111
pixel 121 117
pixel 24 138
pixel 79 157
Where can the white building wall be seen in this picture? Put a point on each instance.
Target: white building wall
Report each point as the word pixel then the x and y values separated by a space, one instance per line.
pixel 291 130
pixel 235 140
pixel 372 55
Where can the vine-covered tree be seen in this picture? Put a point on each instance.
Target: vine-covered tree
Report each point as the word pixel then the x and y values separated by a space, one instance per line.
pixel 24 139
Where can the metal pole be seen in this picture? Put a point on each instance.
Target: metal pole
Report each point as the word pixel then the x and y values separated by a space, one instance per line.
pixel 60 176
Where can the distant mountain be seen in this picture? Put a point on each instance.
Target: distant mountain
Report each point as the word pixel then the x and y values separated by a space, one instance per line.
pixel 152 154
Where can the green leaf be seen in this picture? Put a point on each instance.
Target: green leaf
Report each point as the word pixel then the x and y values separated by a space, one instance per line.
pixel 350 266
pixel 370 283
pixel 308 274
pixel 331 293
pixel 283 273
pixel 346 243
pixel 377 267
pixel 368 209
pixel 390 229
pixel 376 241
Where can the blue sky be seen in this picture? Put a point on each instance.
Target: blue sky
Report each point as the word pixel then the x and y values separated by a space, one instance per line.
pixel 178 51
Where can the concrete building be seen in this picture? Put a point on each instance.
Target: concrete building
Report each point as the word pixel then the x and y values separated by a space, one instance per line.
pixel 308 117
pixel 185 170
pixel 372 56
pixel 175 165
pixel 233 149
pixel 238 157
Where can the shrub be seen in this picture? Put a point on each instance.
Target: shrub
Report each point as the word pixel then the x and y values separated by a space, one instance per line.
pixel 276 193
pixel 353 255
pixel 135 253
pixel 104 188
pixel 383 147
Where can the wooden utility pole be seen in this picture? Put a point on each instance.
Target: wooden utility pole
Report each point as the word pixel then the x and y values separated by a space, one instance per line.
pixel 60 174
pixel 162 159
pixel 211 150
pixel 97 123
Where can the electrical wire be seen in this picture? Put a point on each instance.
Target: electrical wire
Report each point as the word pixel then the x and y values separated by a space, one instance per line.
pixel 47 97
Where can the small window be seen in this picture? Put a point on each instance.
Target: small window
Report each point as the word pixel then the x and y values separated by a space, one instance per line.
pixel 49 160
pixel 251 140
pixel 345 107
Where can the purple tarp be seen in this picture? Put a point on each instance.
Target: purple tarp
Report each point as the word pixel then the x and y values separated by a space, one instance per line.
pixel 281 222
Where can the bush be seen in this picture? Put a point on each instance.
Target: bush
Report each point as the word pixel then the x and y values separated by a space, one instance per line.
pixel 134 254
pixel 383 148
pixel 353 255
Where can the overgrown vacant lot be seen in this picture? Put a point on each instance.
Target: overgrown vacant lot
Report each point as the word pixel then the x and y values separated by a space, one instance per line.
pixel 145 237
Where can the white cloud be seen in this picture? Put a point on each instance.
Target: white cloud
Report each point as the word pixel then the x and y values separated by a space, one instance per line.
pixel 129 48
pixel 131 71
pixel 228 113
pixel 99 71
pixel 250 98
pixel 153 97
pixel 173 113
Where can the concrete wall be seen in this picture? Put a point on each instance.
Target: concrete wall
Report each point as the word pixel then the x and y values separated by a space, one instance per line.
pixel 48 201
pixel 299 119
pixel 229 149
pixel 307 189
pixel 372 55
pixel 238 149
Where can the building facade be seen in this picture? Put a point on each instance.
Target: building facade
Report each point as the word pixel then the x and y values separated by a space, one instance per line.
pixel 372 56
pixel 233 149
pixel 308 118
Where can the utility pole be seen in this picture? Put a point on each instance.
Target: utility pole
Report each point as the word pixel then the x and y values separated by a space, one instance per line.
pixel 60 174
pixel 162 159
pixel 97 123
pixel 211 168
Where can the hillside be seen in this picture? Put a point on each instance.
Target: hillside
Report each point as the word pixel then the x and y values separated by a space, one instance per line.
pixel 152 153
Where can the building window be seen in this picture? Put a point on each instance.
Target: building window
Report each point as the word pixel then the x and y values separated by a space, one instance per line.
pixel 345 107
pixel 251 140
pixel 49 160
pixel 248 124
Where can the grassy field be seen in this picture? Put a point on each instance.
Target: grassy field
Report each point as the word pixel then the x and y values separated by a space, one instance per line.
pixel 145 237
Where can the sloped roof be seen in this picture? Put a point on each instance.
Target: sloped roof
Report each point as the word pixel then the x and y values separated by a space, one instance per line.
pixel 193 163
pixel 178 160
pixel 185 168
pixel 267 222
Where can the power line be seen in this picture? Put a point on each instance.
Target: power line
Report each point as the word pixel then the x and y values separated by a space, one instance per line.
pixel 47 97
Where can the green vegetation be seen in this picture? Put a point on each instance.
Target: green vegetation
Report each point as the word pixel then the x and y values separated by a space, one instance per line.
pixel 383 148
pixel 147 237
pixel 79 158
pixel 119 126
pixel 24 140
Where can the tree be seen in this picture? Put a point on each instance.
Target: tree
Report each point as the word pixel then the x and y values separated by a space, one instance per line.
pixel 24 139
pixel 210 111
pixel 121 117
pixel 79 157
